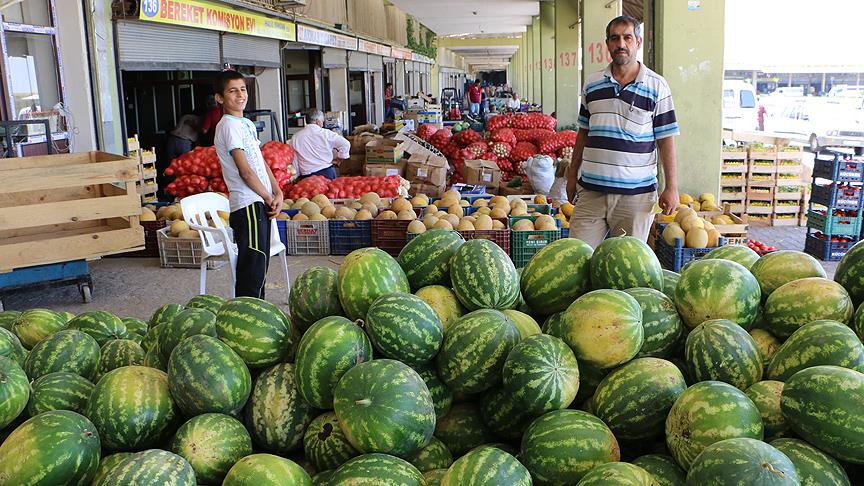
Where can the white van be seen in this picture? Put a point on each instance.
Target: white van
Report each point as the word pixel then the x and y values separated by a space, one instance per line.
pixel 740 108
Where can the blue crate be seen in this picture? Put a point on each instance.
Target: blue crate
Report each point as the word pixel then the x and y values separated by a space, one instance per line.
pixel 834 167
pixel 675 257
pixel 347 236
pixel 565 233
pixel 833 197
pixel 828 251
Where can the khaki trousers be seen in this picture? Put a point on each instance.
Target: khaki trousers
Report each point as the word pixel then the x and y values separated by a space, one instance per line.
pixel 597 215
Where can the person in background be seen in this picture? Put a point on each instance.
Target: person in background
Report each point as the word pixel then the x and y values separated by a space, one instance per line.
pixel 253 193
pixel 314 148
pixel 484 101
pixel 513 103
pixel 183 136
pixel 388 101
pixel 761 115
pixel 211 119
pixel 475 96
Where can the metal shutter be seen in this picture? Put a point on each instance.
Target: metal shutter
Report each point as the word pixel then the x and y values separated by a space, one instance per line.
pixel 333 58
pixel 248 50
pixel 376 63
pixel 148 46
pixel 358 61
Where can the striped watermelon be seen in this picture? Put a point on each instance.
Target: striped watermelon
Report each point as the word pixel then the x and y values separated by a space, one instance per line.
pixel 635 399
pixel 805 300
pixel 442 396
pixel 434 477
pixel 327 350
pixel 735 253
pixel 100 325
pixel 857 325
pixel 557 275
pixel 186 323
pixel 68 350
pixel 717 289
pixel 258 331
pixel 814 467
pixel 661 323
pixel 742 460
pixel 7 318
pixel 151 339
pixel 708 412
pixel 781 267
pixel 118 353
pixel 153 467
pixel 503 415
pixel 589 378
pixel 384 406
pixel 664 469
pixel 377 470
pixel 155 359
pixel 721 350
pixel 211 303
pixel 34 325
pixel 58 447
pixel 825 406
pixel 487 466
pixel 211 443
pixel 205 375
pixel 404 327
pixel 365 275
pixel 542 374
pixel 483 276
pixel 670 281
pixel 820 342
pixel 490 336
pixel 463 429
pixel 107 464
pixel 444 302
pixel 766 397
pixel 625 262
pixel 14 391
pixel 325 445
pixel 526 324
pixel 134 396
pixel 277 415
pixel 850 273
pixel 314 295
pixel 619 474
pixel 767 344
pixel 266 469
pixel 561 447
pixel 603 327
pixel 135 326
pixel 59 391
pixel 165 314
pixel 436 455
pixel 551 322
pixel 426 258
pixel 10 347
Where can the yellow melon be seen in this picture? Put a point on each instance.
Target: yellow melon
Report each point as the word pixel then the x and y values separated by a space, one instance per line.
pixel 713 238
pixel 484 210
pixel 519 211
pixel 386 215
pixel 432 209
pixel 706 197
pixel 400 204
pixel 443 224
pixel 328 211
pixel 671 232
pixel 300 217
pixel 419 201
pixel 523 225
pixel 441 214
pixel 344 213
pixel 567 209
pixel 406 215
pixel 465 225
pixel 147 214
pixel 540 199
pixel 430 220
pixel 692 222
pixel 685 198
pixel 481 203
pixel 321 200
pixel 363 215
pixel 371 197
pixel 453 219
pixel 452 194
pixel 498 213
pixel 318 217
pixel 373 209
pixel 696 238
pixel 718 220
pixel 707 225
pixel 498 200
pixel 163 212
pixel 457 209
pixel 483 222
pixel 497 225
pixel 709 206
pixel 683 213
pixel 189 233
pixel 464 203
pixel 416 227
pixel 178 227
pixel 281 215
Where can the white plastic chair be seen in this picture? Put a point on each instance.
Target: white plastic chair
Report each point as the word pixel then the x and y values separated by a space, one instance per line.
pixel 216 242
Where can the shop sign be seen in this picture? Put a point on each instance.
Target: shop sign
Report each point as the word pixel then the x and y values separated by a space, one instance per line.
pixel 421 58
pixel 325 38
pixel 206 15
pixel 373 48
pixel 398 53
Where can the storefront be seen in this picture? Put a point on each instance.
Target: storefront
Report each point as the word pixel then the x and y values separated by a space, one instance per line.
pixel 401 80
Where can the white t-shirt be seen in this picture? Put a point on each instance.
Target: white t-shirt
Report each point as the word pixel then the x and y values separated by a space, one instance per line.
pixel 314 147
pixel 239 133
pixel 514 104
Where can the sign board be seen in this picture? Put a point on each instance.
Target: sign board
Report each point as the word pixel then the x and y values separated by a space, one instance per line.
pixel 206 15
pixel 398 53
pixel 373 48
pixel 326 38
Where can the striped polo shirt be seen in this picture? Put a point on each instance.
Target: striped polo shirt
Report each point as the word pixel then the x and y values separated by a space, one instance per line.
pixel 623 124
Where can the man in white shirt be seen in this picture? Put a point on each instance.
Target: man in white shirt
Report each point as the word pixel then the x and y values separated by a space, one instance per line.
pixel 314 147
pixel 513 103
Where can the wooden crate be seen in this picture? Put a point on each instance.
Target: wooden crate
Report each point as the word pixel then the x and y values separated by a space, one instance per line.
pixel 58 208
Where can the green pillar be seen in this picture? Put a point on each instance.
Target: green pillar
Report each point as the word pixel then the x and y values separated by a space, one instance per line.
pixel 547 51
pixel 537 61
pixel 529 65
pixel 568 82
pixel 689 54
pixel 595 17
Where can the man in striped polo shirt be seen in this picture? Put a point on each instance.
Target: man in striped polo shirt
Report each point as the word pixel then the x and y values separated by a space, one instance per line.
pixel 625 118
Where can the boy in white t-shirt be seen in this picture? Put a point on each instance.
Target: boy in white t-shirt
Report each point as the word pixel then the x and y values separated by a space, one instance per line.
pixel 254 194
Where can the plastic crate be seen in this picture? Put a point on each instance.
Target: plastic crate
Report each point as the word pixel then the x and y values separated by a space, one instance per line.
pixel 308 237
pixel 675 257
pixel 565 233
pixel 831 196
pixel 834 167
pixel 834 225
pixel 347 236
pixel 500 237
pixel 182 252
pixel 390 235
pixel 524 244
pixel 829 251
pixel 151 240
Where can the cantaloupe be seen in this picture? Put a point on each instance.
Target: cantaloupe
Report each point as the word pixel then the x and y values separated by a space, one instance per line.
pixel 318 217
pixel 464 203
pixel 452 219
pixel 419 201
pixel 406 215
pixel 683 213
pixel 465 225
pixel 373 209
pixel 357 205
pixel 371 197
pixel 178 227
pixel 416 227
pixel 386 215
pixel 363 215
pixel 671 232
pixel 321 200
pixel 432 209
pixel 519 211
pixel 344 213
pixel 498 213
pixel 523 225
pixel 540 199
pixel 483 222
pixel 300 217
pixel 481 203
pixel 400 204
pixel 147 214
pixel 484 210
pixel 310 209
pixel 696 238
pixel 497 224
pixel 281 216
pixel 287 203
pixel 441 214
pixel 457 210
pixel 691 223
pixel 713 238
pixel 443 224
pixel 498 200
pixel 328 211
pixel 189 233
pixel 430 220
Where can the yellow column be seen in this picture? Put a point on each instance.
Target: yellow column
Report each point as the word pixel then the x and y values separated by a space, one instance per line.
pixel 547 51
pixel 568 82
pixel 537 61
pixel 529 65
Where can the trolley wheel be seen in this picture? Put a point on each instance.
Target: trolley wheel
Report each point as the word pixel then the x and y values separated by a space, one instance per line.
pixel 86 293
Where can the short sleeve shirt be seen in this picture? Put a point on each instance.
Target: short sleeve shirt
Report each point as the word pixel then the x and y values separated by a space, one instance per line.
pixel 239 133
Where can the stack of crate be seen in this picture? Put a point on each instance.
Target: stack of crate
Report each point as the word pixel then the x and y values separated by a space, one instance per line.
pixel 789 193
pixel 733 181
pixel 835 209
pixel 774 187
pixel 146 184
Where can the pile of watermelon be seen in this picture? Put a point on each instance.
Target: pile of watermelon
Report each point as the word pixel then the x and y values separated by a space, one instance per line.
pixel 447 366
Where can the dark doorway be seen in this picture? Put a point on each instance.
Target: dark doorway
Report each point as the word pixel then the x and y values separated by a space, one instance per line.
pixel 357 98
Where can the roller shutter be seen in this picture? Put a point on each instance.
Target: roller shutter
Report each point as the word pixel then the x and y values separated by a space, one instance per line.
pixel 250 51
pixel 148 46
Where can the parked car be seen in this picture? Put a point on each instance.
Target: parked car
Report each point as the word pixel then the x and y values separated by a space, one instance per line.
pixel 820 123
pixel 740 109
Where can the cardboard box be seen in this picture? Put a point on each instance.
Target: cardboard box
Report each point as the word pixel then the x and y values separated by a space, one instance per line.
pixel 525 188
pixel 384 151
pixel 428 189
pixel 427 169
pixel 425 116
pixel 481 172
pixel 353 166
pixel 358 142
pixel 384 170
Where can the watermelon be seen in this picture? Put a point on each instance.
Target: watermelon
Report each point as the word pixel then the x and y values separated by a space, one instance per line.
pixel 850 274
pixel 721 350
pixel 266 469
pixel 805 300
pixel 635 399
pixel 717 289
pixel 151 339
pixel 708 412
pixel 434 477
pixel 857 325
pixel 384 406
pixel 825 406
pixel 463 429
pixel 59 391
pixel 327 350
pixel 314 295
pixel 325 444
pixel 661 323
pixel 603 327
pixel 444 302
pixel 489 335
pixel 766 397
pixel 504 416
pixel 211 443
pixel 404 327
pixel 664 469
pixel 107 464
pixel 14 391
pixel 10 347
pixel 277 415
pixel 526 324
pixel 118 353
pixel 483 276
pixel 205 375
pixel 618 474
pixel 781 267
pixel 625 262
pixel 68 350
pixel 164 314
pixel 155 359
pixel 211 303
pixel 134 326
pixel 34 325
pixel 433 456
pixel 767 345
pixel 7 318
pixel 426 258
pixel 57 447
pixel 487 466
pixel 736 253
pixel 814 467
pixel 670 281
pixel 561 447
pixel 589 378
pixel 102 326
pixel 557 275
pixel 821 342
pixel 365 275
pixel 742 460
pixel 153 467
pixel 442 396
pixel 258 331
pixel 542 374
pixel 377 470
pixel 188 322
